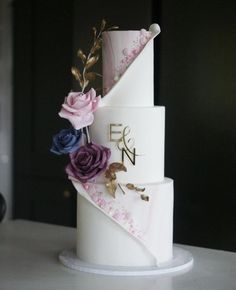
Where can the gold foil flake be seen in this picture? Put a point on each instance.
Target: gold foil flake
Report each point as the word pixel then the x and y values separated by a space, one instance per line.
pixel 97 46
pixel 103 24
pixel 111 187
pixel 140 189
pixel 77 74
pixel 82 56
pixel 131 186
pixel 91 76
pixel 94 32
pixel 117 166
pixel 110 175
pixel 144 197
pixel 91 61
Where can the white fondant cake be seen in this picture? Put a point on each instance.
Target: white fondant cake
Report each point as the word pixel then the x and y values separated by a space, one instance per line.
pixel 134 228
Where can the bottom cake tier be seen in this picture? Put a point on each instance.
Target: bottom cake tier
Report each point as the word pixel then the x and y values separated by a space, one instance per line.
pixel 125 231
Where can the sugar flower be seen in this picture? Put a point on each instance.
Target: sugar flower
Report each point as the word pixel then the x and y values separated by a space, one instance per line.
pixel 78 108
pixel 66 141
pixel 88 162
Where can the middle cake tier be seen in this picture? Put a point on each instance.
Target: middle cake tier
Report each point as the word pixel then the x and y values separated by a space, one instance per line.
pixel 136 138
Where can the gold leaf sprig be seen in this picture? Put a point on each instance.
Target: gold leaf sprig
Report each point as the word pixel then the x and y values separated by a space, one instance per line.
pixel 110 174
pixel 112 183
pixel 143 196
pixel 83 76
pixel 131 186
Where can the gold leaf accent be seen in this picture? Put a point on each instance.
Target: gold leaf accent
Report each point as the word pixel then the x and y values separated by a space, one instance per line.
pixel 117 166
pixel 81 55
pixel 94 31
pixel 140 189
pixel 111 187
pixel 130 186
pixel 91 76
pixel 99 42
pixel 91 61
pixel 97 45
pixel 103 24
pixel 110 175
pixel 86 82
pixel 144 197
pixel 77 75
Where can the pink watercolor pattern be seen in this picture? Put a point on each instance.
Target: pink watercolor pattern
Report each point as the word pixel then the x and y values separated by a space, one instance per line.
pixel 113 209
pixel 131 54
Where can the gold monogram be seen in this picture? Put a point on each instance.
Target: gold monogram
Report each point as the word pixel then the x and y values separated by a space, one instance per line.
pixel 112 131
pixel 124 143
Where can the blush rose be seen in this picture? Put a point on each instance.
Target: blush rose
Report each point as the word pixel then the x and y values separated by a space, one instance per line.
pixel 78 108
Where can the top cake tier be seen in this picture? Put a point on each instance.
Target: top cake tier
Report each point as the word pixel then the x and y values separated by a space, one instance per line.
pixel 128 67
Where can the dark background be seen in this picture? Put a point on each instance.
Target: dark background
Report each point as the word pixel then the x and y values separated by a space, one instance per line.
pixel 194 78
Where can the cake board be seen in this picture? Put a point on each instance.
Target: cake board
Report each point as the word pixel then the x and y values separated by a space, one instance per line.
pixel 181 262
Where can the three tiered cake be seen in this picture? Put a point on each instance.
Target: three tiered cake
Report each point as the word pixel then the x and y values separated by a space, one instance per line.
pixel 127 230
pixel 116 150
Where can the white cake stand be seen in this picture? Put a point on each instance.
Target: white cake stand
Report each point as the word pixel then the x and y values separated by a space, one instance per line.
pixel 181 262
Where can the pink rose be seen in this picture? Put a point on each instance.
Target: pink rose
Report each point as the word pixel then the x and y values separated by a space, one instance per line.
pixel 78 108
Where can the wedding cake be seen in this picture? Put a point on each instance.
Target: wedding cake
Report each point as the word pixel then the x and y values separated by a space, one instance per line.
pixel 125 204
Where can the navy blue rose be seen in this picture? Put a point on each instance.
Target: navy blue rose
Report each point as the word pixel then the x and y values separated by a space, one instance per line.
pixel 66 141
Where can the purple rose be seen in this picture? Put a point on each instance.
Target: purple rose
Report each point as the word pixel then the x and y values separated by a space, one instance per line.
pixel 66 141
pixel 88 162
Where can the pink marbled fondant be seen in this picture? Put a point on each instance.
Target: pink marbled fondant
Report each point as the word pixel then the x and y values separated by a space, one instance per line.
pixel 120 48
pixel 113 209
